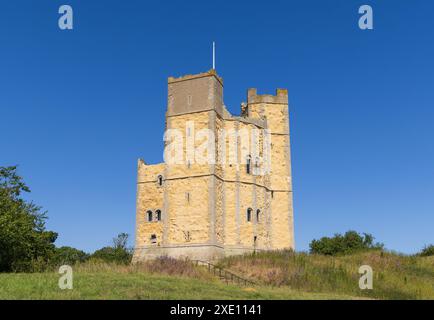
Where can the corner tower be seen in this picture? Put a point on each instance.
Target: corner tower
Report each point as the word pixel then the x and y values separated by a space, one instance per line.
pixel 274 110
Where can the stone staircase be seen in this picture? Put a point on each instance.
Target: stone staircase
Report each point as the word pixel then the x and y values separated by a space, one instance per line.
pixel 224 275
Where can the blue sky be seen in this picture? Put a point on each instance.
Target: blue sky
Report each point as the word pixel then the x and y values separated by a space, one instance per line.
pixel 79 107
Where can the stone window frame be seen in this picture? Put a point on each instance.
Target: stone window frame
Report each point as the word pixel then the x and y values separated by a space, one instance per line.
pixel 249 164
pixel 258 215
pixel 154 214
pixel 153 239
pixel 160 180
pixel 249 214
pixel 149 215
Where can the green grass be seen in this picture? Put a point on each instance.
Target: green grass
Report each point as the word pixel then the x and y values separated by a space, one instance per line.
pixel 394 276
pixel 137 285
pixel 279 275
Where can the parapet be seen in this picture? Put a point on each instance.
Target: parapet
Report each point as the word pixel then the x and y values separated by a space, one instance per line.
pixel 209 73
pixel 195 93
pixel 281 97
pixel 148 172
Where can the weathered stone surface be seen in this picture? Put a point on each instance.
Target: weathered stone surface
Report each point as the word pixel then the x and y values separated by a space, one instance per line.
pixel 204 206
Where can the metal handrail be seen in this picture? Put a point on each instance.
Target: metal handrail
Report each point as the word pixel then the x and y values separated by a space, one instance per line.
pixel 232 276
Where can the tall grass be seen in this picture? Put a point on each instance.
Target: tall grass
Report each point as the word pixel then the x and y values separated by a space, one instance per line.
pixel 395 276
pixel 279 275
pixel 164 278
pixel 162 265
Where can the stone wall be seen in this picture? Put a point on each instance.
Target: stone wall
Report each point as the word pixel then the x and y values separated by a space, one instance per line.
pixel 204 206
pixel 150 197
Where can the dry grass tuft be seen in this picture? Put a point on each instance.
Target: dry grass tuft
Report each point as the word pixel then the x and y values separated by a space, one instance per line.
pixel 395 276
pixel 162 265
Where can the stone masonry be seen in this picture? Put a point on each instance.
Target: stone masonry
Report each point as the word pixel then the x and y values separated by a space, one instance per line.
pixel 209 210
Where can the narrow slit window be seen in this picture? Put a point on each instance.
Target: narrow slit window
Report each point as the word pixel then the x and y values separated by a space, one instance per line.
pixel 249 214
pixel 149 215
pixel 160 180
pixel 258 214
pixel 248 164
pixel 158 212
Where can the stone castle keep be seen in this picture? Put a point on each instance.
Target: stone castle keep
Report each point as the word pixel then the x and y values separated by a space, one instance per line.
pixel 209 210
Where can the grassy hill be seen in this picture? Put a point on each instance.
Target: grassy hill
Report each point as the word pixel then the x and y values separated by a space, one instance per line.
pixel 395 276
pixel 280 275
pixel 118 285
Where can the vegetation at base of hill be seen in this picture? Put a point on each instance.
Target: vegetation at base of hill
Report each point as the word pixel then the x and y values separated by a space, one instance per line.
pixel 68 256
pixel 395 276
pixel 118 253
pixel 427 251
pixel 159 266
pixel 25 244
pixel 350 242
pixel 163 278
pixel 279 275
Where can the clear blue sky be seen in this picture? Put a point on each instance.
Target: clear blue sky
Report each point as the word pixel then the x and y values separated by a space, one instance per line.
pixel 79 107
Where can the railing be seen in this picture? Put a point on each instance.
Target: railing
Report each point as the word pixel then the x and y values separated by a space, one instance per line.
pixel 223 274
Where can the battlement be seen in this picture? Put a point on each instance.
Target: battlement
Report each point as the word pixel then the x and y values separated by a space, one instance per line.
pixel 209 73
pixel 281 97
pixel 195 93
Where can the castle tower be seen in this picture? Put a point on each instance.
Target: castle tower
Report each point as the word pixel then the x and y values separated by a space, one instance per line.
pixel 274 109
pixel 202 204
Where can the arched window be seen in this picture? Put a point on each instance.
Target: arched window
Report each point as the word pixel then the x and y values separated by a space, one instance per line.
pixel 258 213
pixel 248 164
pixel 158 212
pixel 160 180
pixel 149 215
pixel 249 214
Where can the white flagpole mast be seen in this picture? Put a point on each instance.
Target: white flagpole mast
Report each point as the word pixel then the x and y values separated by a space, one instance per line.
pixel 213 55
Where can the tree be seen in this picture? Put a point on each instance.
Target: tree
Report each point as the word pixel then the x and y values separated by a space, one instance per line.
pixel 427 251
pixel 119 253
pixel 24 242
pixel 120 242
pixel 349 243
pixel 68 255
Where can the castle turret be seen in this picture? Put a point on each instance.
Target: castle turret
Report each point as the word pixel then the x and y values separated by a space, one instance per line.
pixel 274 110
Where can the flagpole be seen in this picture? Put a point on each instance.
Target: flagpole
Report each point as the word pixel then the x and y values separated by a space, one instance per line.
pixel 213 55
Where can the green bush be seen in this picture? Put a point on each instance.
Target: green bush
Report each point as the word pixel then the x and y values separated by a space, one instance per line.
pixel 348 243
pixel 68 256
pixel 119 253
pixel 110 254
pixel 427 251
